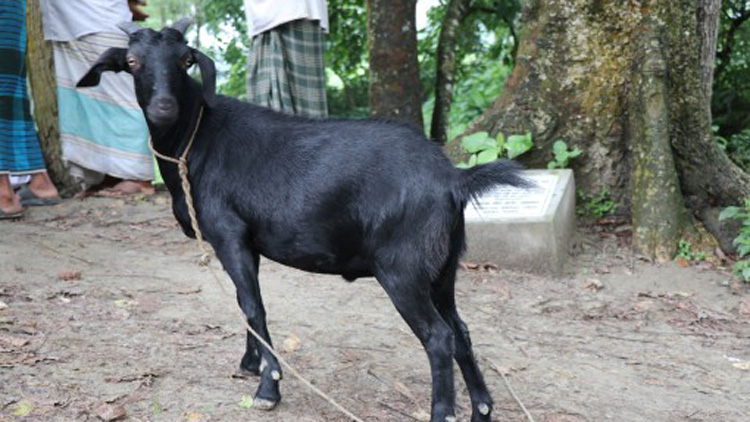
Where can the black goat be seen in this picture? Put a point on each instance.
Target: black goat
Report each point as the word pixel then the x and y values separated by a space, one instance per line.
pixel 356 198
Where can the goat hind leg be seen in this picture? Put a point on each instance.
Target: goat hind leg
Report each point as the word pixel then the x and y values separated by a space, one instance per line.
pixel 413 303
pixel 443 296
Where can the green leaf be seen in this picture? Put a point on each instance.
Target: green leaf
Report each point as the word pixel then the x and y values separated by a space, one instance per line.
pixel 518 144
pixel 729 212
pixel 575 153
pixel 552 165
pixel 246 402
pixel 23 408
pixel 488 155
pixel 559 148
pixel 478 142
pixel 746 274
pixel 473 160
pixel 462 165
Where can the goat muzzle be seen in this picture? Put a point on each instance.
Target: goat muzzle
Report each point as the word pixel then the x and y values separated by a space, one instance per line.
pixel 162 111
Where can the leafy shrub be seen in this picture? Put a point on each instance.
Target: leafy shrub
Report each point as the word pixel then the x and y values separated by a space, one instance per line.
pixel 742 242
pixel 486 149
pixel 685 251
pixel 596 206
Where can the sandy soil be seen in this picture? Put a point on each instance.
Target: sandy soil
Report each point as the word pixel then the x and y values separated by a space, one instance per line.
pixel 103 311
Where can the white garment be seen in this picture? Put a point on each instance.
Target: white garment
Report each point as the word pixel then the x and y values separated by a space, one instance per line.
pixel 263 15
pixel 68 20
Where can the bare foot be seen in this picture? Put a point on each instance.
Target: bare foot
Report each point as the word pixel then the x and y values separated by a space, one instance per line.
pixel 10 203
pixel 131 187
pixel 41 185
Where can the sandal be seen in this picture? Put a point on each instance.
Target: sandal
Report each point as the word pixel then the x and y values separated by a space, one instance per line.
pixel 11 215
pixel 30 199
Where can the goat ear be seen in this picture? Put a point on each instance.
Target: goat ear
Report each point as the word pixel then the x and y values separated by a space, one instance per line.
pixel 112 59
pixel 208 76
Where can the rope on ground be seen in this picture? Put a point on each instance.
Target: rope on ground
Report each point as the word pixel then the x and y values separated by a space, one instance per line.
pixel 497 369
pixel 182 165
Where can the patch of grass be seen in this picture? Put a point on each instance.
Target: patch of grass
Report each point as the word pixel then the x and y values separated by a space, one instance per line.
pixel 596 206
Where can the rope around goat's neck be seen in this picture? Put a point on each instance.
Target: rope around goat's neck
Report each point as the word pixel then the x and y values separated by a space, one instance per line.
pixel 182 167
pixel 205 259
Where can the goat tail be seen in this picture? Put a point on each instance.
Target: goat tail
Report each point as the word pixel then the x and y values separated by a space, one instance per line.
pixel 479 179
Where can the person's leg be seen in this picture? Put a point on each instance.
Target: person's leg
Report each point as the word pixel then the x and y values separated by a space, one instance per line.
pixel 102 129
pixel 9 202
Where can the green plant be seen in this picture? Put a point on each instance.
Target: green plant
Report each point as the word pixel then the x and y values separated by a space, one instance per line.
pixel 596 206
pixel 742 241
pixel 562 155
pixel 685 251
pixel 486 149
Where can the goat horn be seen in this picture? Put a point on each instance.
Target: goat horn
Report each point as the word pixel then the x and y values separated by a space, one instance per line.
pixel 182 25
pixel 129 27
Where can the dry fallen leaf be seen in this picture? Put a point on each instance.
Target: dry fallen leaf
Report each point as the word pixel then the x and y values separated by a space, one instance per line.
pixel 745 307
pixel 125 303
pixel 291 344
pixel 593 284
pixel 189 291
pixel 69 275
pixel 14 342
pixel 196 417
pixel 744 366
pixel 110 412
pixel 401 388
pixel 3 305
pixel 421 415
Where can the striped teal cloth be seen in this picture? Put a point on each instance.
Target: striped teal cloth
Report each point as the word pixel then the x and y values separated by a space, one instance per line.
pixel 19 145
pixel 102 128
pixel 286 71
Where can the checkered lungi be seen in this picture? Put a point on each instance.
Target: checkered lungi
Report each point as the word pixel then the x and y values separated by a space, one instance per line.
pixel 19 146
pixel 286 71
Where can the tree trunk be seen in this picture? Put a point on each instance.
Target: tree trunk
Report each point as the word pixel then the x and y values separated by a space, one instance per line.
pixel 446 67
pixel 395 87
pixel 41 74
pixel 658 224
pixel 630 86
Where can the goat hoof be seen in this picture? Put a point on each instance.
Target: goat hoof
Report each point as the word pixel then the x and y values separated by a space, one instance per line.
pixel 264 404
pixel 250 365
pixel 243 372
pixel 481 413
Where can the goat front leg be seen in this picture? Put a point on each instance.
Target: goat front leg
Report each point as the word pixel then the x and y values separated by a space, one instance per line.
pixel 242 266
pixel 250 363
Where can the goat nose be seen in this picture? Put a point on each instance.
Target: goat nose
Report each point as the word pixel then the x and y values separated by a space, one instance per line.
pixel 165 103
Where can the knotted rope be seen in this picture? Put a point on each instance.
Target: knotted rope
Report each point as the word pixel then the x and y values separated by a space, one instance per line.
pixel 205 259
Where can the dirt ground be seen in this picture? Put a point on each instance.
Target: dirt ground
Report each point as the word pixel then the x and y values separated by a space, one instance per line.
pixel 103 312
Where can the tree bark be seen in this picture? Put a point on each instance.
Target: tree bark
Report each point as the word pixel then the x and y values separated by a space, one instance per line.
pixel 395 87
pixel 455 13
pixel 658 213
pixel 582 75
pixel 41 74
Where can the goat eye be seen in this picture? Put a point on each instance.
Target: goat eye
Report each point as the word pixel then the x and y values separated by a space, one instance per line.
pixel 187 61
pixel 132 62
